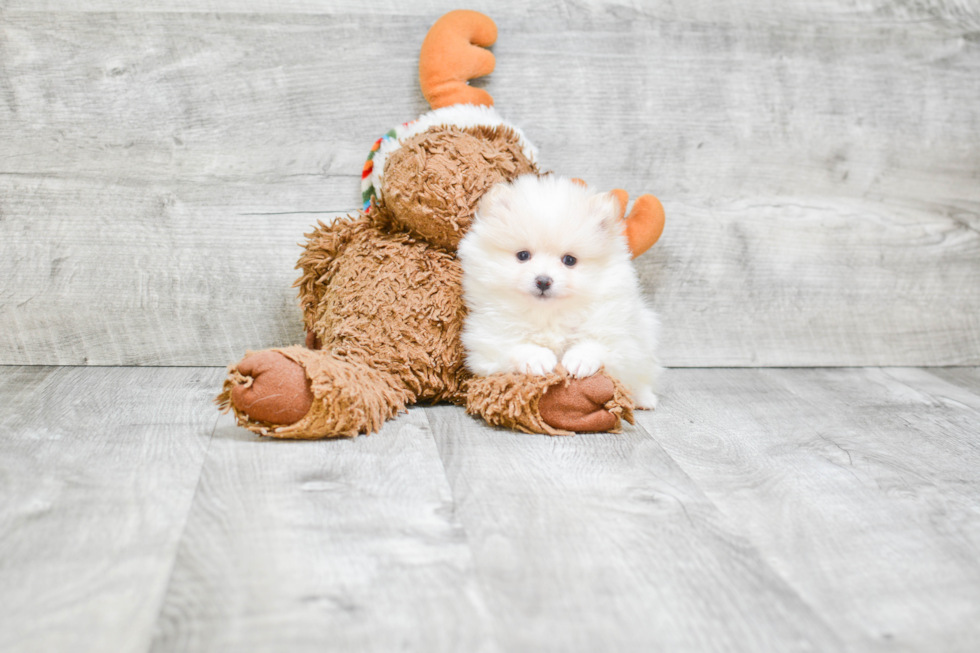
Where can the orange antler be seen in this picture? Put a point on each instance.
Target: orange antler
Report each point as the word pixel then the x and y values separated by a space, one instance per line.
pixel 452 53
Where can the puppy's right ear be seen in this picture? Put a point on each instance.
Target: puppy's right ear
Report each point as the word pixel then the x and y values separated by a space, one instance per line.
pixel 498 197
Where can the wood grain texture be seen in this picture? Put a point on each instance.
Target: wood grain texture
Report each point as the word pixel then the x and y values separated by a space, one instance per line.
pixel 860 487
pixel 601 543
pixel 817 166
pixel 876 11
pixel 324 546
pixel 97 472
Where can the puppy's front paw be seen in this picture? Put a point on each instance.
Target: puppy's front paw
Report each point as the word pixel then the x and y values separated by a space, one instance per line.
pixel 645 399
pixel 534 360
pixel 583 360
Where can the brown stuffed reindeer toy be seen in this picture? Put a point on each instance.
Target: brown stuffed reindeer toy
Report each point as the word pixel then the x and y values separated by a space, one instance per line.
pixel 381 292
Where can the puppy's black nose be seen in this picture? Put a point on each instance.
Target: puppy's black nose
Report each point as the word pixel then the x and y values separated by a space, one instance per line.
pixel 543 283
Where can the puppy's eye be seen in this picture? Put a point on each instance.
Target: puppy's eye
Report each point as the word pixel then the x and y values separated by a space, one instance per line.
pixel 569 260
pixel 523 256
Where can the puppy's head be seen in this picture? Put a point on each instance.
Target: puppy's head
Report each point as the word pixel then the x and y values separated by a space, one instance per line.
pixel 543 239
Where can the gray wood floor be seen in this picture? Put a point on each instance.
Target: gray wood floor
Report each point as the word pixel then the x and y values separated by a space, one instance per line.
pixel 755 510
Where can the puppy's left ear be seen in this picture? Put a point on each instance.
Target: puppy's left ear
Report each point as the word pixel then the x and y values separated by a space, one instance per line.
pixel 606 208
pixel 644 224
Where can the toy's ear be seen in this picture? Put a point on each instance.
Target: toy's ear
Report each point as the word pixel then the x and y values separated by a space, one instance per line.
pixel 644 224
pixel 452 53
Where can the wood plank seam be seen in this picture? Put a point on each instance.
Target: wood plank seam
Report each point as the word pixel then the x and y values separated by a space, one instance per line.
pixel 484 590
pixel 162 599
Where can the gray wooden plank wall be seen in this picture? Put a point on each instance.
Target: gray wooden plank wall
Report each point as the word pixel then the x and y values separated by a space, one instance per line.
pixel 756 510
pixel 819 165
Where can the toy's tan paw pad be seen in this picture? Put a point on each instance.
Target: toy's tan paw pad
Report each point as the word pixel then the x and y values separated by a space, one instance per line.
pixel 271 388
pixel 579 405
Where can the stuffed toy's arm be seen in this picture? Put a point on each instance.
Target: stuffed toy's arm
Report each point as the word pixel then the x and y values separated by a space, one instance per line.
pixel 323 245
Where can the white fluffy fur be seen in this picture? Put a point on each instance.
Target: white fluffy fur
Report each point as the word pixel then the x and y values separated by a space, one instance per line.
pixel 458 115
pixel 593 315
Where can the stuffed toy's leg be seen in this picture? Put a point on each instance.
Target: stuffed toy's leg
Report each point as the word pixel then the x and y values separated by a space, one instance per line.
pixel 298 393
pixel 302 394
pixel 555 404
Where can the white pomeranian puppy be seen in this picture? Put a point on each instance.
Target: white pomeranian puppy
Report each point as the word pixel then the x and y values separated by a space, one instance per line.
pixel 548 277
